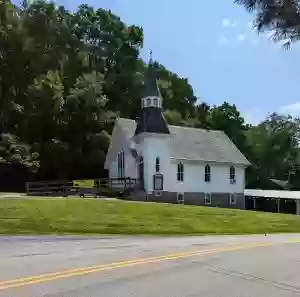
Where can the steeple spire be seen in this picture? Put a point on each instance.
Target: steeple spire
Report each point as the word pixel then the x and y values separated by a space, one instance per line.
pixel 151 119
pixel 151 93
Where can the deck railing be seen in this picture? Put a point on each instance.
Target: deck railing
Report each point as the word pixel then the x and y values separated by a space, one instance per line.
pixel 66 188
pixel 116 183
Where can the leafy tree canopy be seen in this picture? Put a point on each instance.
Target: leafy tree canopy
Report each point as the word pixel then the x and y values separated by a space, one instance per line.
pixel 65 76
pixel 282 17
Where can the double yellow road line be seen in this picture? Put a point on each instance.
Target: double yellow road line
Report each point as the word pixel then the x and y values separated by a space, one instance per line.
pixel 20 282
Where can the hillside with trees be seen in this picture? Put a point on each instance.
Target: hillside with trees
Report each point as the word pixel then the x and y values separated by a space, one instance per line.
pixel 65 76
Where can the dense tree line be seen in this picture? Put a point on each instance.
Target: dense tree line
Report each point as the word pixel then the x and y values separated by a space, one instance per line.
pixel 65 77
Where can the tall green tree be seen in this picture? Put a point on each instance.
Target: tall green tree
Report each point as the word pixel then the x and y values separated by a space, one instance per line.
pixel 10 38
pixel 227 118
pixel 113 49
pixel 282 17
pixel 65 75
pixel 275 144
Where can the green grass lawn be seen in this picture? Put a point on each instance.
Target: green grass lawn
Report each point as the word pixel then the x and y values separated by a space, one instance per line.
pixel 89 183
pixel 94 216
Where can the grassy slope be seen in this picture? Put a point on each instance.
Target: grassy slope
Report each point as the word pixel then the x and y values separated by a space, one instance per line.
pixel 88 216
pixel 89 183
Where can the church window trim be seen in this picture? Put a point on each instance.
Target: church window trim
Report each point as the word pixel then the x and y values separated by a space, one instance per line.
pixel 157 164
pixel 121 164
pixel 207 173
pixel 180 172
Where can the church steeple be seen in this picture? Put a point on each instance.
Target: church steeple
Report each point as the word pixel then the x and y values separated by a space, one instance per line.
pixel 151 93
pixel 151 119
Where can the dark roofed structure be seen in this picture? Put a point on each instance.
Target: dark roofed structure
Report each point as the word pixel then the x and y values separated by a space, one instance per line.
pixel 196 144
pixel 151 119
pixel 150 83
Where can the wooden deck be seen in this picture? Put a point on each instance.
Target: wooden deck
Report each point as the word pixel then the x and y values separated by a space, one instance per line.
pixel 68 188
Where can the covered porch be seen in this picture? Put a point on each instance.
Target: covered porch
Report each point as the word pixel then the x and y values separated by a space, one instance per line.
pixel 273 201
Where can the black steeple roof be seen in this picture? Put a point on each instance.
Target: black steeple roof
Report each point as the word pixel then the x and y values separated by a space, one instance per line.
pixel 150 83
pixel 151 119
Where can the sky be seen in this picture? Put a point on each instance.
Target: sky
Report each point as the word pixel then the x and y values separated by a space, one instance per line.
pixel 213 44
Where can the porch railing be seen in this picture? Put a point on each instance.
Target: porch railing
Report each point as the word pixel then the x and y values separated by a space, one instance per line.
pixel 66 188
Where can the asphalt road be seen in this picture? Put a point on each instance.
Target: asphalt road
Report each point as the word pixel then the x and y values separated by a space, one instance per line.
pixel 150 266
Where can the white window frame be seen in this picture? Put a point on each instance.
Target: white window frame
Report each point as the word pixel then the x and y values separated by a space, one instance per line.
pixel 233 195
pixel 180 172
pixel 232 176
pixel 157 165
pixel 181 201
pixel 207 199
pixel 121 164
pixel 155 102
pixel 207 173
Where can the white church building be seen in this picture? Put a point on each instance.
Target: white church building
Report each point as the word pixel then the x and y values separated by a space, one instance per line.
pixel 175 164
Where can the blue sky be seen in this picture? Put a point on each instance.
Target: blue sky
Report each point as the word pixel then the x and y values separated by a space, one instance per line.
pixel 212 43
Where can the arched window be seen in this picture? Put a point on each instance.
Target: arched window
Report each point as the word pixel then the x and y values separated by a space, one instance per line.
pixel 155 102
pixel 157 165
pixel 121 164
pixel 180 172
pixel 141 171
pixel 148 102
pixel 232 174
pixel 207 174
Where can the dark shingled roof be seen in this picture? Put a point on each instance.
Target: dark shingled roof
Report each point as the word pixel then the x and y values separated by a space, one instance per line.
pixel 151 120
pixel 150 83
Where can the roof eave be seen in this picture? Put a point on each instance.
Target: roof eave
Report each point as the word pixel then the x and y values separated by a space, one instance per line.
pixel 210 161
